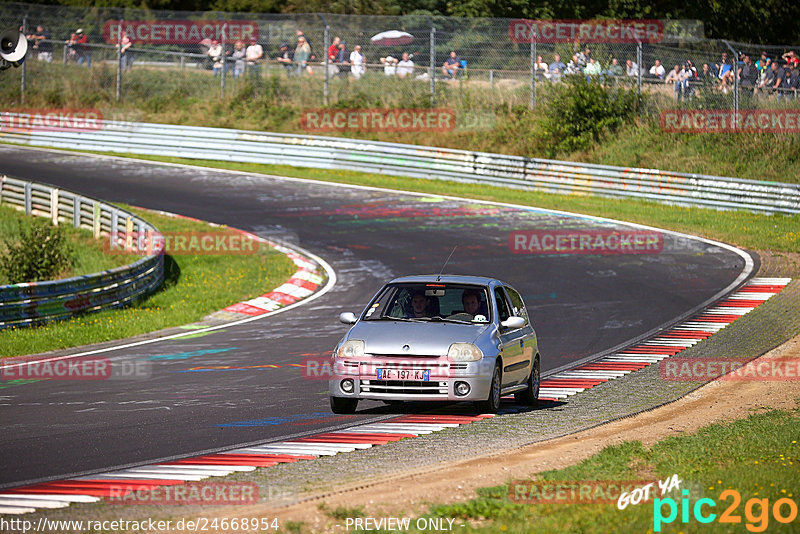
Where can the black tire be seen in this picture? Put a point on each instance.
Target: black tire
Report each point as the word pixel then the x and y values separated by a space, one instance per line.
pixel 492 403
pixel 343 406
pixel 530 395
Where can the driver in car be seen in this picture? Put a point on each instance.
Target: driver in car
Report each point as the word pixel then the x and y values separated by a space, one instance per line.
pixel 419 305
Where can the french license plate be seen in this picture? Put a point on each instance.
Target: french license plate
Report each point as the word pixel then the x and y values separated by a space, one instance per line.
pixel 404 374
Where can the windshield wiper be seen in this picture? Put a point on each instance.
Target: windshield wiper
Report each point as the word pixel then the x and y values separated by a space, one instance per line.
pixel 407 319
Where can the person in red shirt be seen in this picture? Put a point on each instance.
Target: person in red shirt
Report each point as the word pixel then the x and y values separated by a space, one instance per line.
pixel 333 49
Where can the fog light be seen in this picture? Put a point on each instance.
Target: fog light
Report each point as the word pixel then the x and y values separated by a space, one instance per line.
pixel 347 385
pixel 462 388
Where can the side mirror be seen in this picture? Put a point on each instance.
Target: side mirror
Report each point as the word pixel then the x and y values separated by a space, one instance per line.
pixel 513 322
pixel 348 318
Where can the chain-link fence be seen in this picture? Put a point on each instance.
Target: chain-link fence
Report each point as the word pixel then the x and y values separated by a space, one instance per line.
pixel 83 57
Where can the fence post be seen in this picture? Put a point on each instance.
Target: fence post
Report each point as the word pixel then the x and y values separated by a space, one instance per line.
pixel 735 73
pixel 491 79
pixel 433 63
pixel 119 58
pixel 326 43
pixel 183 61
pixel 533 70
pixel 24 74
pixel 639 68
pixel 224 64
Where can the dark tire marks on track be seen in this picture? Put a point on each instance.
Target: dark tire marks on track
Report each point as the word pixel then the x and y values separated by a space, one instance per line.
pixel 580 305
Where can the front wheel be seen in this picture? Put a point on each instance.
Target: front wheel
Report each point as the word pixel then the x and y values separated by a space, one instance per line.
pixel 492 404
pixel 343 406
pixel 530 395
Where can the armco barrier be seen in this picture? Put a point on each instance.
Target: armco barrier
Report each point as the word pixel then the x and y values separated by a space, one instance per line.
pixel 32 303
pixel 420 162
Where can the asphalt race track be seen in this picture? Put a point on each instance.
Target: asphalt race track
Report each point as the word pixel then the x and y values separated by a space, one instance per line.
pixel 580 304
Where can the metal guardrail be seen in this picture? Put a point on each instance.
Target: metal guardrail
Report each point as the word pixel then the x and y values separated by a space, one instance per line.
pixel 32 303
pixel 420 162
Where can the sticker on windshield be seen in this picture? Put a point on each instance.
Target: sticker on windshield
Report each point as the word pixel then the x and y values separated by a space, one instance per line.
pixel 479 319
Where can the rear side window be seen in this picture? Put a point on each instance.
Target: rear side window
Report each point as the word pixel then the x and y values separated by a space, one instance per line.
pixel 502 306
pixel 517 306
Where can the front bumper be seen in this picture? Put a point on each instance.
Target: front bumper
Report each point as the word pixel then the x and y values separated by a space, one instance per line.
pixel 441 384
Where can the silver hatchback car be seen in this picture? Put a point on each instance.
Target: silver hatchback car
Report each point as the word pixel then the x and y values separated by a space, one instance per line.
pixel 438 338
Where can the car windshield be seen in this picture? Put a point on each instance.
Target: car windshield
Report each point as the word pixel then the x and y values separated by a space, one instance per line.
pixel 432 301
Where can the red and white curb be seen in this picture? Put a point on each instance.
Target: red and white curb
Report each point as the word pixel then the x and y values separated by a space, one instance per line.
pixel 303 283
pixel 121 483
pixel 665 344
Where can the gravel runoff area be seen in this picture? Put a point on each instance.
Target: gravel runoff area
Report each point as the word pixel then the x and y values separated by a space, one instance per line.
pixel 768 326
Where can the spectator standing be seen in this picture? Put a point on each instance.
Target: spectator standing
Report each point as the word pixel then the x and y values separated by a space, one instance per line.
pixel 342 59
pixel 791 59
pixel 238 56
pixel 557 68
pixel 788 84
pixel 706 75
pixel 405 67
pixel 124 46
pixel 333 50
pixel 762 65
pixel 357 63
pixel 302 55
pixel 748 75
pixel 286 58
pixel 215 53
pixel 311 56
pixel 41 44
pixel 657 70
pixel 253 55
pixel 451 65
pixel 78 48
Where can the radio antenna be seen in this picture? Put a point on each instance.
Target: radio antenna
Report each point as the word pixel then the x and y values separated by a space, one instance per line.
pixel 445 263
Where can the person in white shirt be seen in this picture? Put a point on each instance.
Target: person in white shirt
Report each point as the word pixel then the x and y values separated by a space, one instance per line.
pixel 253 55
pixel 658 70
pixel 215 53
pixel 357 63
pixel 542 69
pixel 389 65
pixel 405 66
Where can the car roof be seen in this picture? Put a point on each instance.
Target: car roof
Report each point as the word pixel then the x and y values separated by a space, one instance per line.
pixel 447 278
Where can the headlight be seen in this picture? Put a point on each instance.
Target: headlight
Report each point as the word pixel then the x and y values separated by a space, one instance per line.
pixel 351 349
pixel 464 352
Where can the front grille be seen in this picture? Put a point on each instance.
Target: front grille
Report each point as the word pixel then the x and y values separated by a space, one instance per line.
pixel 460 366
pixel 404 387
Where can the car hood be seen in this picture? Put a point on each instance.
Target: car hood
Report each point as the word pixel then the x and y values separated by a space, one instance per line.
pixel 423 339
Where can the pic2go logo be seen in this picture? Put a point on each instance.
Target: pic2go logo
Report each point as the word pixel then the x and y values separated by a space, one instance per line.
pixel 756 511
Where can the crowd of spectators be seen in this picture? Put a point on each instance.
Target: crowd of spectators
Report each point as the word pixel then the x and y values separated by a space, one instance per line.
pixel 779 76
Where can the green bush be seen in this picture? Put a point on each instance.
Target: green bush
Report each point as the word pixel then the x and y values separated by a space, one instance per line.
pixel 40 251
pixel 581 111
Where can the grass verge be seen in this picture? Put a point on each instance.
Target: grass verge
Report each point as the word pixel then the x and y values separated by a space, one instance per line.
pixel 194 287
pixel 756 457
pixel 88 253
pixel 780 233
